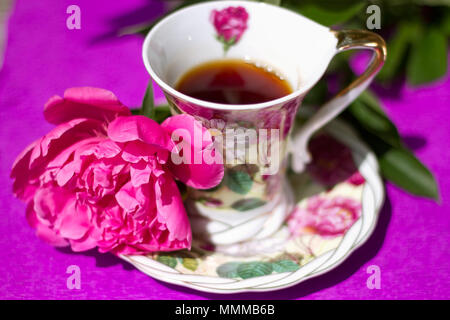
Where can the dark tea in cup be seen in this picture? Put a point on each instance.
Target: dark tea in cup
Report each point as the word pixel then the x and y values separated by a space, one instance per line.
pixel 233 81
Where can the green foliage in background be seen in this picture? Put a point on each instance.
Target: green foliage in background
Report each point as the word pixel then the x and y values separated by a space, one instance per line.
pixel 416 32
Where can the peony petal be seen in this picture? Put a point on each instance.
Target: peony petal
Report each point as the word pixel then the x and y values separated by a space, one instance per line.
pixel 126 198
pixel 84 102
pixel 44 232
pixel 107 149
pixel 140 173
pixel 136 151
pixel 50 236
pixel 62 137
pixel 171 211
pixel 65 164
pixel 66 173
pixel 89 241
pixel 196 134
pixel 22 159
pixel 31 216
pixel 62 157
pixel 139 128
pixel 22 187
pixel 74 222
pixel 49 202
pixel 194 171
pixel 198 176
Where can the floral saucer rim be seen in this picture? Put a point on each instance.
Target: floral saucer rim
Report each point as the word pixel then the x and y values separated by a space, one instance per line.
pixel 356 236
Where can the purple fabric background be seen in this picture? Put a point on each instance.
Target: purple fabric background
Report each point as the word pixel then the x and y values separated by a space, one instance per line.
pixel 43 58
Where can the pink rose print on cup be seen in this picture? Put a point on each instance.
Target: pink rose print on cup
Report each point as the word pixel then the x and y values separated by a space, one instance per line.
pixel 324 216
pixel 230 24
pixel 104 178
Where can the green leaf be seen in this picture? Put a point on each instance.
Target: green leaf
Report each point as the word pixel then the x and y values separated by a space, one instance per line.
pixel 248 204
pixel 135 112
pixel 227 44
pixel 161 113
pixel 148 107
pixel 445 24
pixel 190 263
pixel 401 167
pixel 251 169
pixel 328 12
pixel 274 2
pixel 254 269
pixel 168 261
pixel 316 96
pixel 428 60
pixel 433 2
pixel 397 48
pixel 284 266
pixel 228 270
pixel 238 181
pixel 366 109
pixel 398 164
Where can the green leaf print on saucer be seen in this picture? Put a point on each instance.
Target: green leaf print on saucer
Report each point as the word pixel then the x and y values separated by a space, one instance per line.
pixel 248 204
pixel 190 263
pixel 254 269
pixel 246 270
pixel 168 261
pixel 239 181
pixel 228 270
pixel 285 266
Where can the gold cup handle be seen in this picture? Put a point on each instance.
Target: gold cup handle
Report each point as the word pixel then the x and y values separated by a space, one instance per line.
pixel 346 40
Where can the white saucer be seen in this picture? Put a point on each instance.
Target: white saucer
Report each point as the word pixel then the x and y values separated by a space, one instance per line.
pixel 200 268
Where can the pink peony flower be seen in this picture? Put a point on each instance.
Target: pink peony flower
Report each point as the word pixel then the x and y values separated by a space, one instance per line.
pixel 323 216
pixel 105 178
pixel 230 23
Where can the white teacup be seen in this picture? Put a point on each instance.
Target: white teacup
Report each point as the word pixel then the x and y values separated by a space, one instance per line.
pixel 288 43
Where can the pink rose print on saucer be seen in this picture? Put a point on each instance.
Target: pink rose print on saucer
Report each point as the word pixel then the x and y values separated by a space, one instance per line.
pixel 324 216
pixel 104 178
pixel 332 162
pixel 230 24
pixel 356 179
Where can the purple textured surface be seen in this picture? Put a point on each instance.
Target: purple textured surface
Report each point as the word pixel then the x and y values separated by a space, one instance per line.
pixel 43 58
